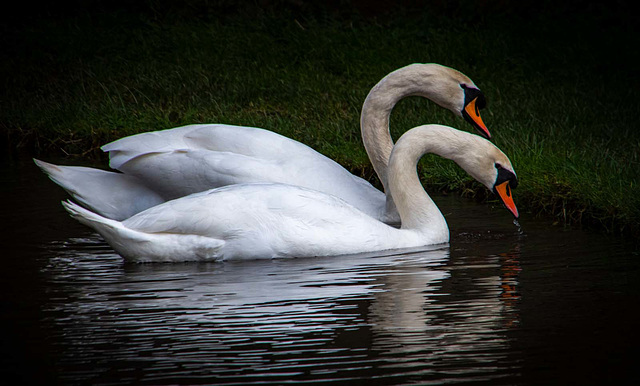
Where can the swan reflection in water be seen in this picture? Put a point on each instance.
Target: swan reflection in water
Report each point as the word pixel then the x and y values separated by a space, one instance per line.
pixel 410 314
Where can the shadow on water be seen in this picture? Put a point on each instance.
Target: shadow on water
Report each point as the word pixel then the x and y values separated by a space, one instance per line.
pixel 496 306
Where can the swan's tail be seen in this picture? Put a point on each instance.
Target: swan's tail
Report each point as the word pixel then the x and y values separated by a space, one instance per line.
pixel 113 195
pixel 89 218
pixel 139 246
pixel 125 241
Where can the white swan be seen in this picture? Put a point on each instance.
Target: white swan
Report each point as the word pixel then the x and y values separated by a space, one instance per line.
pixel 163 165
pixel 252 221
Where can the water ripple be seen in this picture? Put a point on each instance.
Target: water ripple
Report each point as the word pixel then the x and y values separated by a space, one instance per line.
pixel 389 316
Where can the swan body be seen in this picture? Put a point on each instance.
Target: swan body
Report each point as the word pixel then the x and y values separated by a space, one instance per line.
pixel 266 220
pixel 172 163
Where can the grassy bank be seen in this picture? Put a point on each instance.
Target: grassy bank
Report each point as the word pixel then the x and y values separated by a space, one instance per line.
pixel 561 95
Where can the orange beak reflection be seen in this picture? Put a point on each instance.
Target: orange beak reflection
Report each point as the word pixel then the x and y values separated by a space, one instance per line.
pixel 473 115
pixel 504 192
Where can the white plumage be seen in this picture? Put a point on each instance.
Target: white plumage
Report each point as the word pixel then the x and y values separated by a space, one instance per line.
pixel 263 220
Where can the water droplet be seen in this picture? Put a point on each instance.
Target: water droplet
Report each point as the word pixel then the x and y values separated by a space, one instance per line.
pixel 517 224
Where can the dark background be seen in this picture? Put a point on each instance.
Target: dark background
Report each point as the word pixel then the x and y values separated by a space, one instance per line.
pixel 601 16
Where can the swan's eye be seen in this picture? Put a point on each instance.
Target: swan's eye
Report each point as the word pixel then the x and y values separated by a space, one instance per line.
pixel 498 166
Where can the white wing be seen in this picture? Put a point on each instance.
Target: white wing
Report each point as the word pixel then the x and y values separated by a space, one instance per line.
pixel 268 220
pixel 195 158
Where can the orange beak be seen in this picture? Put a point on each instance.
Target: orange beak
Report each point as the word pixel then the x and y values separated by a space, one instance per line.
pixel 504 192
pixel 473 116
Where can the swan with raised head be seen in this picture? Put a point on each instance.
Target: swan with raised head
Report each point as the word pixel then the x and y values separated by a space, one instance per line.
pixel 260 220
pixel 163 165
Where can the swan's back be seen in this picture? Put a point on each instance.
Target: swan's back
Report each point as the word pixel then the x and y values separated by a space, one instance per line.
pixel 200 157
pixel 249 141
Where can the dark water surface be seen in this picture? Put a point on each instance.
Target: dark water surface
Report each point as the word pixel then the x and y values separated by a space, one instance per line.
pixel 551 306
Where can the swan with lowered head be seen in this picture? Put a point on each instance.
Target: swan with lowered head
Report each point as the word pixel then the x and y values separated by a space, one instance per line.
pixel 163 165
pixel 252 221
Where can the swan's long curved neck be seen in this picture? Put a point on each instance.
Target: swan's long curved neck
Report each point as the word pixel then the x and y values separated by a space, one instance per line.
pixel 413 80
pixel 417 210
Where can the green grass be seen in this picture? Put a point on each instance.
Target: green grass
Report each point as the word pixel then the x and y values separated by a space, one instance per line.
pixel 562 99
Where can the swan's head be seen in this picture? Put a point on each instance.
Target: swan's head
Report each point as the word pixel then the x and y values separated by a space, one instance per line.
pixel 505 181
pixel 454 91
pixel 474 101
pixel 477 156
pixel 490 166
